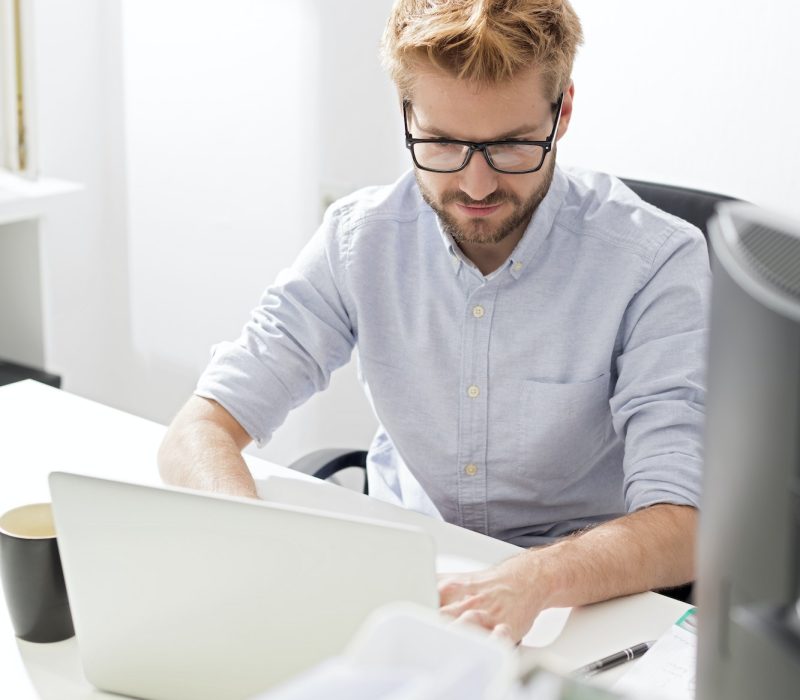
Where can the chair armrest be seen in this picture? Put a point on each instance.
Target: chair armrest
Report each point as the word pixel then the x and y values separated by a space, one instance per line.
pixel 326 462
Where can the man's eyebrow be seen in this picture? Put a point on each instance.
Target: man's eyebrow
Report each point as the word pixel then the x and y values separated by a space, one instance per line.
pixel 518 132
pixel 514 133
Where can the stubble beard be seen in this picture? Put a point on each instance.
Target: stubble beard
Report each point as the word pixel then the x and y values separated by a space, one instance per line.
pixel 481 231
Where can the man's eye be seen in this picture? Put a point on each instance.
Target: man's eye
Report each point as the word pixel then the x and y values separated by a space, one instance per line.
pixel 510 145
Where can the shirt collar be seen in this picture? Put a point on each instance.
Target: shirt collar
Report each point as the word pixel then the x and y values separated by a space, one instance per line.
pixel 540 225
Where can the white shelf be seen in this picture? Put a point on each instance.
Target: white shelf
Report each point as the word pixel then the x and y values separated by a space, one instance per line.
pixel 22 199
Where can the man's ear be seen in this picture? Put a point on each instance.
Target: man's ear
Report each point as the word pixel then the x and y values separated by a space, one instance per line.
pixel 566 110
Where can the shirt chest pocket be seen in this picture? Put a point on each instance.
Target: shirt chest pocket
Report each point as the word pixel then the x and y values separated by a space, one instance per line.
pixel 563 427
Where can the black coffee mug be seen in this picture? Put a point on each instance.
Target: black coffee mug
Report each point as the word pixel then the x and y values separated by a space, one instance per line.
pixel 33 581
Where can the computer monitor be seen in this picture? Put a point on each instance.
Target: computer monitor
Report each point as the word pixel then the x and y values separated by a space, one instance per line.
pixel 749 553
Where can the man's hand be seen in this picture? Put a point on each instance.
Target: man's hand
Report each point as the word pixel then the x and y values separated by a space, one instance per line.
pixel 649 549
pixel 504 599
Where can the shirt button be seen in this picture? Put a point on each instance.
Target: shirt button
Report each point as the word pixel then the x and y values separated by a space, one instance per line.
pixel 473 392
pixel 471 470
pixel 517 266
pixel 478 311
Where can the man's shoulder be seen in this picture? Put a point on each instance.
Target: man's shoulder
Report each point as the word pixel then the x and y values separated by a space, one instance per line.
pixel 400 201
pixel 603 207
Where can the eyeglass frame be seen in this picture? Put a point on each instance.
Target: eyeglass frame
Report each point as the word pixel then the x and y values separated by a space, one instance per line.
pixel 481 146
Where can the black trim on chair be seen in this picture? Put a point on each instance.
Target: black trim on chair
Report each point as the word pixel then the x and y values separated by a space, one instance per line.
pixel 684 593
pixel 327 462
pixel 694 206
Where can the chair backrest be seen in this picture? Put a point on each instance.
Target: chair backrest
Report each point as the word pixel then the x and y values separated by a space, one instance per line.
pixel 694 206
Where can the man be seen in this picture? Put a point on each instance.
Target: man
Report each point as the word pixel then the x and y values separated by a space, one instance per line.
pixel 531 339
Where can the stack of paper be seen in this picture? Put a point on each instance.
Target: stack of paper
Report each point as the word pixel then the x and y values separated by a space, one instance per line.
pixel 667 670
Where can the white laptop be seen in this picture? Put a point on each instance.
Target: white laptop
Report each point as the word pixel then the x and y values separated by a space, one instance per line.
pixel 177 594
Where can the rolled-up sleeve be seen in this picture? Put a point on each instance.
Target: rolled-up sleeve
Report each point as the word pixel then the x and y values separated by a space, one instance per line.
pixel 300 332
pixel 658 405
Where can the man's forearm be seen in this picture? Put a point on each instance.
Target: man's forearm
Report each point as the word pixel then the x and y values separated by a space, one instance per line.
pixel 652 548
pixel 202 450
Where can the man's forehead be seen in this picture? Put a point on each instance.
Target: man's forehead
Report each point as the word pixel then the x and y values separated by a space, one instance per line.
pixel 426 78
pixel 444 105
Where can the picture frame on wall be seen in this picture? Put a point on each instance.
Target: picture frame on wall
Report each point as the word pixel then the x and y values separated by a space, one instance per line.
pixel 18 153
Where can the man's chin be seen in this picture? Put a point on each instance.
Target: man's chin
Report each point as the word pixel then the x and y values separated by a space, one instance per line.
pixel 467 230
pixel 471 238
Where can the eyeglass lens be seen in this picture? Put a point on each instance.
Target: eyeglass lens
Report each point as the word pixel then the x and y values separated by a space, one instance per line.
pixel 511 157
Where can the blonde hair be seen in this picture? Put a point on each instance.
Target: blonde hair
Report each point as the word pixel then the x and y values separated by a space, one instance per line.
pixel 483 41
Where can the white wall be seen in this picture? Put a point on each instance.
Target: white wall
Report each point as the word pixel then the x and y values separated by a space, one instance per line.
pixel 83 241
pixel 176 115
pixel 703 94
pixel 239 123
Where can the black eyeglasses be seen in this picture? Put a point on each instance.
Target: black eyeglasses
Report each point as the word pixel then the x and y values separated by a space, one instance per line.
pixel 511 156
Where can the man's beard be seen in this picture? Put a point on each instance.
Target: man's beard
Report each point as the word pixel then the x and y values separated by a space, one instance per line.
pixel 479 230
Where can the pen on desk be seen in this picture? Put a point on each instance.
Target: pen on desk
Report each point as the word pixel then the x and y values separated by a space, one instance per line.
pixel 613 660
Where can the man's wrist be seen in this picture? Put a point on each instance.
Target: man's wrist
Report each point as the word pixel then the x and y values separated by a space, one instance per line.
pixel 537 573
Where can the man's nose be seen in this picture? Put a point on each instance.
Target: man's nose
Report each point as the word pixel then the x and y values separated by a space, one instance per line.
pixel 478 180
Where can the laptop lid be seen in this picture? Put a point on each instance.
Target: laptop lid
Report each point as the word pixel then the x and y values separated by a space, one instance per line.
pixel 179 594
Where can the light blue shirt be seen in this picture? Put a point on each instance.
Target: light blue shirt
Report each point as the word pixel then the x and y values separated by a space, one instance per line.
pixel 563 389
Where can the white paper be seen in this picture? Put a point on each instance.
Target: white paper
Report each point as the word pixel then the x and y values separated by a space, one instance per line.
pixel 666 671
pixel 407 652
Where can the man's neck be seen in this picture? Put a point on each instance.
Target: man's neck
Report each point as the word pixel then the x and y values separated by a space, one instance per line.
pixel 488 257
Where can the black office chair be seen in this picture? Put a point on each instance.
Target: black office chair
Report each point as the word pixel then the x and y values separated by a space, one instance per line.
pixel 325 463
pixel 694 206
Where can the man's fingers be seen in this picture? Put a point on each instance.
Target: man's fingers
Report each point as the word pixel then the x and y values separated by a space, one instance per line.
pixel 462 603
pixel 464 613
pixel 478 618
pixel 455 609
pixel 502 631
pixel 452 590
pixel 467 612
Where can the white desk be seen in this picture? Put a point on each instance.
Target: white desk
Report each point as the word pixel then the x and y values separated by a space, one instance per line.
pixel 44 429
